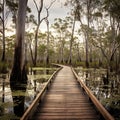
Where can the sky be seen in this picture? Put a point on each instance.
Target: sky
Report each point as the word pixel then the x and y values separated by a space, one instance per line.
pixel 57 10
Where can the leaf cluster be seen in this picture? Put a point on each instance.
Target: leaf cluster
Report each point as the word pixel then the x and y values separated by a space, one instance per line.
pixel 113 7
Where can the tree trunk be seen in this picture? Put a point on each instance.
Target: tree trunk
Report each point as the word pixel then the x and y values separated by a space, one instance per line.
pixel 47 56
pixel 3 32
pixel 71 41
pixel 87 39
pixel 18 77
pixel 39 9
pixel 119 61
pixel 18 74
pixel 36 41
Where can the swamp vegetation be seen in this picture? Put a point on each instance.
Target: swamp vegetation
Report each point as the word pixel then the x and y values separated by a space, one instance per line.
pixel 24 97
pixel 106 91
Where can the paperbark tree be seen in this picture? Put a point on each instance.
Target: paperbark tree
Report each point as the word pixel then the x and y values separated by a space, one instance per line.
pixel 39 21
pixel 2 19
pixel 39 10
pixel 18 77
pixel 72 39
pixel 18 74
pixel 48 33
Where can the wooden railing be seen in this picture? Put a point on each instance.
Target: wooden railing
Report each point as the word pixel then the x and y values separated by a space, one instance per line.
pixel 31 109
pixel 106 115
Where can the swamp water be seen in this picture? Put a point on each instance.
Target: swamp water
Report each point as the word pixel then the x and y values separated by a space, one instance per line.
pixel 34 85
pixel 107 92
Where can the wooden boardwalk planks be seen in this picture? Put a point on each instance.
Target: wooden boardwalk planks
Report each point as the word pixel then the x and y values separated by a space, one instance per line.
pixel 65 100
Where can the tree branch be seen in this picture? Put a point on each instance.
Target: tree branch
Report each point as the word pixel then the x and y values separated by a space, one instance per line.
pixel 114 50
pixel 36 5
pixel 47 8
pixel 1 19
pixel 1 31
pixel 51 4
pixel 103 52
pixel 41 6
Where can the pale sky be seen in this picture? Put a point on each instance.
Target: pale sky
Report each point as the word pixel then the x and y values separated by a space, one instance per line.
pixel 57 10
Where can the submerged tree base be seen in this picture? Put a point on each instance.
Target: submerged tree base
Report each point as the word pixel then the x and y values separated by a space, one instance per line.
pixel 18 82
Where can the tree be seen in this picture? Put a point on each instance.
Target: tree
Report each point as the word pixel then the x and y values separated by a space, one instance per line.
pixel 39 10
pixel 39 21
pixel 13 7
pixel 106 36
pixel 2 18
pixel 62 29
pixel 72 38
pixel 84 10
pixel 18 75
pixel 113 8
pixel 48 32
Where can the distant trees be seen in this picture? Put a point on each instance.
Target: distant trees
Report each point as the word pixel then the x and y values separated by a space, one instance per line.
pixel 39 20
pixel 106 34
pixel 99 23
pixel 62 28
pixel 7 8
pixel 99 29
pixel 39 8
pixel 112 7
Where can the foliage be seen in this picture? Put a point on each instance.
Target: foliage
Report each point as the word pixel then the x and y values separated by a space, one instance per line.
pixel 42 68
pixel 7 116
pixel 18 93
pixel 12 6
pixel 113 105
pixel 82 64
pixel 113 7
pixel 3 67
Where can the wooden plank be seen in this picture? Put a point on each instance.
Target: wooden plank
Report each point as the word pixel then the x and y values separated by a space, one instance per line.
pixel 65 117
pixel 65 100
pixel 29 112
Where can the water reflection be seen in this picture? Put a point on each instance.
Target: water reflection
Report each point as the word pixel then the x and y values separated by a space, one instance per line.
pixel 107 91
pixel 6 106
pixel 21 98
pixel 18 100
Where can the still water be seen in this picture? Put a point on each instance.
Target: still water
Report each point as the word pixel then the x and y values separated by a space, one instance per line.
pixel 37 78
pixel 106 91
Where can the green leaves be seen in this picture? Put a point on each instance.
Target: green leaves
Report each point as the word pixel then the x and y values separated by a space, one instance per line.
pixel 12 5
pixel 113 7
pixel 98 14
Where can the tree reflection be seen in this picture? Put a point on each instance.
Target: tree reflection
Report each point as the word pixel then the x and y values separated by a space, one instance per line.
pixel 3 87
pixel 18 95
pixel 105 88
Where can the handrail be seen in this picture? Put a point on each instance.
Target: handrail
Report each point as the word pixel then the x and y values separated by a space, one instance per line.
pixel 98 105
pixel 29 112
pixel 59 65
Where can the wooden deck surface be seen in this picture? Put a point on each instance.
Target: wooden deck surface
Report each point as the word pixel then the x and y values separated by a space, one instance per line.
pixel 65 100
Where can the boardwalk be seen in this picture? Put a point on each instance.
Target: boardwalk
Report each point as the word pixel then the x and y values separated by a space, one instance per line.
pixel 65 100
